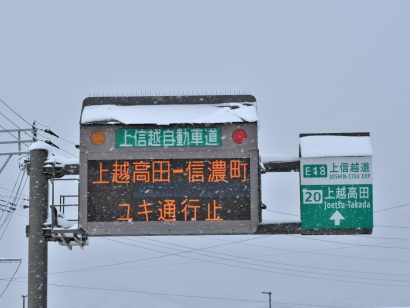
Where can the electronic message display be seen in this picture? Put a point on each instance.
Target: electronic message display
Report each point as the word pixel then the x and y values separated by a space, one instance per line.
pixel 183 165
pixel 169 190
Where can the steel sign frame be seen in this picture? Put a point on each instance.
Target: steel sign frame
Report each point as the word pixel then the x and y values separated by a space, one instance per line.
pixel 228 150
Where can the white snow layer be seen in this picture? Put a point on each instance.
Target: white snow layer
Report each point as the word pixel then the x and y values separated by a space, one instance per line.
pixel 60 160
pixel 51 157
pixel 329 146
pixel 40 145
pixel 169 114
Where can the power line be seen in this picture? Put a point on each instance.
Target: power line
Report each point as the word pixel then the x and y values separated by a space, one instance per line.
pixel 4 188
pixel 193 296
pixel 229 243
pixel 236 266
pixel 285 272
pixel 12 192
pixel 21 214
pixel 60 148
pixel 4 260
pixel 18 194
pixel 160 293
pixel 284 213
pixel 218 298
pixel 350 244
pixel 15 137
pixel 4 103
pixel 11 279
pixel 394 227
pixel 48 131
pixel 264 264
pixel 378 211
pixel 319 251
pixel 31 125
pixel 286 264
pixel 393 207
pixel 15 124
pixel 385 238
pixel 8 196
pixel 143 259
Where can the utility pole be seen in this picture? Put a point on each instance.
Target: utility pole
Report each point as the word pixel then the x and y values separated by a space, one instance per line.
pixel 37 245
pixel 270 297
pixel 24 300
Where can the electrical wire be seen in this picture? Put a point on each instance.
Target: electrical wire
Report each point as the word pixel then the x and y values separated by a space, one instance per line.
pixel 11 279
pixel 240 242
pixel 8 189
pixel 106 266
pixel 287 273
pixel 301 274
pixel 265 264
pixel 58 136
pixel 18 127
pixel 284 213
pixel 218 298
pixel 60 148
pixel 8 196
pixel 31 125
pixel 394 227
pixel 393 207
pixel 282 263
pixel 251 269
pixel 378 211
pixel 4 103
pixel 12 192
pixel 234 299
pixel 350 244
pixel 160 293
pixel 19 190
pixel 320 253
pixel 383 238
pixel 15 137
pixel 41 124
pixel 145 259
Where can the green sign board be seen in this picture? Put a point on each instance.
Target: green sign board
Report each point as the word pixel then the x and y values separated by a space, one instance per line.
pixel 315 171
pixel 336 193
pixel 168 137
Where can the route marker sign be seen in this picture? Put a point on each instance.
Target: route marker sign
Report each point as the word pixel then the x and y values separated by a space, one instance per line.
pixel 336 192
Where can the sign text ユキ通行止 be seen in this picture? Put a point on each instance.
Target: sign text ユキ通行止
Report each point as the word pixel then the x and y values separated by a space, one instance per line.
pixel 169 165
pixel 168 190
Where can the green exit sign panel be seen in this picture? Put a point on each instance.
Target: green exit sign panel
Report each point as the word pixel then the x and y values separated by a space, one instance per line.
pixel 168 137
pixel 336 193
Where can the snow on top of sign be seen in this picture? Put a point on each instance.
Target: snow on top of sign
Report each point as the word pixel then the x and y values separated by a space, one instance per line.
pixel 169 114
pixel 328 146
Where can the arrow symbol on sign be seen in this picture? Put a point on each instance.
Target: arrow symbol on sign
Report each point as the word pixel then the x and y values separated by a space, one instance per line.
pixel 337 217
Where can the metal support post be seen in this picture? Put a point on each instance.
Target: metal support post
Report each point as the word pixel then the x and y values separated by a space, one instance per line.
pixel 38 250
pixel 270 298
pixel 24 300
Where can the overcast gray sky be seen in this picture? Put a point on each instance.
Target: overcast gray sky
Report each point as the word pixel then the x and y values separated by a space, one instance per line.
pixel 314 66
